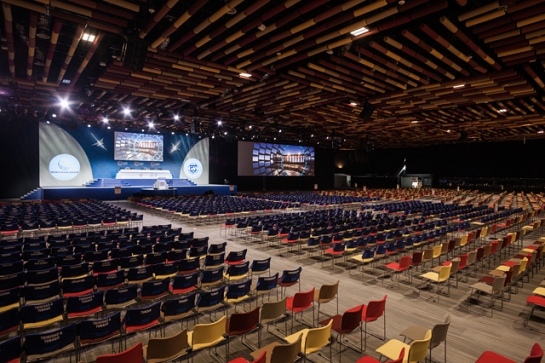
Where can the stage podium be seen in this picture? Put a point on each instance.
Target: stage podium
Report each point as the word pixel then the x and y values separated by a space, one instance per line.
pixel 160 184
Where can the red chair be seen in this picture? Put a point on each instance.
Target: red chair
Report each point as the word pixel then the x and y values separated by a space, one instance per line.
pixel 300 302
pixel 372 312
pixel 396 268
pixel 369 359
pixel 346 324
pixel 133 355
pixel 261 359
pixel 241 324
pixel 490 357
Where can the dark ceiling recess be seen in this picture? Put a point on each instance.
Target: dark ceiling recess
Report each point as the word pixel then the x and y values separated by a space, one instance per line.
pixel 406 73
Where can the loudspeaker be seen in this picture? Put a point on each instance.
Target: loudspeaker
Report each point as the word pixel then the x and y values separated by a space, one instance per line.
pixel 367 111
pixel 193 126
pixel 134 53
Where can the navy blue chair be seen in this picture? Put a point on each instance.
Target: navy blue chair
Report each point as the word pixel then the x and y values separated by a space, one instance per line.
pixel 10 350
pixel 75 271
pixel 51 343
pixel 236 257
pixel 42 315
pixel 100 330
pixel 176 255
pixel 12 280
pixel 266 285
pixel 214 261
pixel 179 308
pixel 237 272
pixel 10 299
pixel 66 260
pixel 9 322
pixel 188 266
pixel 166 269
pixel 139 275
pixel 78 287
pixel 155 258
pixel 38 294
pixel 238 292
pixel 35 277
pixel 289 278
pixel 121 297
pixel 132 261
pixel 9 268
pixel 155 289
pixel 183 284
pixel 110 281
pixel 84 305
pixel 142 318
pixel 216 249
pixel 211 300
pixel 259 267
pixel 211 278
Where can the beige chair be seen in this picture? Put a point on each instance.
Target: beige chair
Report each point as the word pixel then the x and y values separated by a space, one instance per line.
pixel 438 334
pixel 313 340
pixel 207 335
pixel 427 255
pixel 280 353
pixel 417 350
pixel 439 277
pixel 161 350
pixel 325 294
pixel 494 291
pixel 272 312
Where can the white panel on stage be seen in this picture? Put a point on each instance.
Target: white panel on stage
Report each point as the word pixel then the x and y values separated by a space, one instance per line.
pixel 143 174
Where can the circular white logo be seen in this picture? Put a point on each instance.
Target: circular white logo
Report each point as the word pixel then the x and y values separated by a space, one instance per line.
pixel 193 168
pixel 64 167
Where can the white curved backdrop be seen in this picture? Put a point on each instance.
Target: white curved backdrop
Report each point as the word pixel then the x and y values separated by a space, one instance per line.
pixel 195 165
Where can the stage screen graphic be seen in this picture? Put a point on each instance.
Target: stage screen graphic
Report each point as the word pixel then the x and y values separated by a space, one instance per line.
pixel 265 159
pixel 140 147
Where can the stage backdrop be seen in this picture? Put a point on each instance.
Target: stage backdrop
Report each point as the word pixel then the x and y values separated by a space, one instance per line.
pixel 74 156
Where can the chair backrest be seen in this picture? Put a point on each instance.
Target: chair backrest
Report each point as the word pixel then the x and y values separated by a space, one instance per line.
pixel 267 283
pixel 416 259
pixel 211 298
pixel 181 305
pixel 404 262
pixel 167 349
pixel 10 349
pixel 535 354
pixel 204 334
pixel 439 332
pixel 419 348
pixel 497 285
pixel 289 276
pixel 272 311
pixel 121 295
pixel 133 355
pixel 317 338
pixel 242 323
pixel 303 299
pixel 260 265
pixel 374 310
pixel 262 358
pixel 472 257
pixel 328 292
pixel 142 316
pixel 399 359
pixel 351 319
pixel 286 353
pixel 98 330
pixel 238 289
pixel 50 343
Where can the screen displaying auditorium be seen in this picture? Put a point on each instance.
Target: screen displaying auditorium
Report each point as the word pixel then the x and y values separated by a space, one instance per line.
pixel 144 147
pixel 264 159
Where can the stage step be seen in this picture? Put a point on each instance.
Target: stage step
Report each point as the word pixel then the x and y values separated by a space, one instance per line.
pixel 35 194
pixel 146 183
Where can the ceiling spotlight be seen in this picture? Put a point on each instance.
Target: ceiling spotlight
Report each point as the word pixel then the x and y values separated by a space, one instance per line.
pixel 150 124
pixel 172 132
pixel 280 130
pixel 359 31
pixel 47 121
pixel 54 115
pixel 213 136
pixel 401 2
pixel 225 133
pixel 414 122
pixel 105 120
pixel 329 51
pixel 458 86
pixel 250 127
pixel 127 111
pixel 88 37
pixel 219 122
pixel 449 131
pixel 109 127
pixel 262 27
pixel 64 103
pixel 502 110
pixel 88 125
pixel 541 132
pixel 353 103
pixel 245 75
pixel 176 117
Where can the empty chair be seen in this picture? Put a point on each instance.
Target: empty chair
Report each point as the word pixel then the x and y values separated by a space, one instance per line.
pixel 259 267
pixel 211 300
pixel 536 354
pixel 241 324
pixel 139 275
pixel 10 350
pixel 38 294
pixel 416 351
pixel 51 343
pixel 281 353
pixel 238 292
pixel 100 330
pixel 156 289
pixel 110 281
pixel 313 340
pixel 207 335
pixel 237 272
pixel 438 335
pixel 372 312
pixel 183 284
pixel 235 257
pixel 160 350
pixel 494 291
pixel 272 312
pixel 9 321
pixel 299 303
pixel 346 324
pixel 178 308
pixel 325 294
pixel 42 315
pixel 289 278
pixel 80 306
pixel 211 278
pixel 260 359
pixel 121 297
pixel 133 355
pixel 142 318
pixel 369 359
pixel 440 276
pixel 266 285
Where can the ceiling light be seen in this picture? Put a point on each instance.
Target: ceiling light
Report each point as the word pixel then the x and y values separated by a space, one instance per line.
pixel 64 103
pixel 245 75
pixel 329 51
pixel 127 111
pixel 540 131
pixel 105 120
pixel 262 27
pixel 449 131
pixel 280 130
pixel 150 124
pixel 359 31
pixel 250 127
pixel 88 37
pixel 54 115
pixel 458 86
pixel 47 121
pixel 414 122
pixel 176 117
pixel 66 81
pixel 219 122
pixel 172 132
pixel 109 127
pixel 353 103
pixel 502 110
pixel 88 125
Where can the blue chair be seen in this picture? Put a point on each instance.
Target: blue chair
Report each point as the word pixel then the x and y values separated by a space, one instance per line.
pixel 38 294
pixel 121 297
pixel 42 315
pixel 155 258
pixel 176 255
pixel 100 330
pixel 9 268
pixel 121 252
pixel 68 260
pixel 198 252
pixel 166 269
pixel 80 306
pixel 211 300
pixel 9 321
pixel 179 308
pixel 155 289
pixel 216 249
pixel 75 271
pixel 110 281
pixel 51 343
pixel 35 277
pixel 289 278
pixel 237 272
pixel 139 275
pixel 188 266
pixel 11 349
pixel 238 292
pixel 132 261
pixel 142 318
pixel 266 285
pixel 211 278
pixel 213 261
pixel 236 257
pixel 183 284
pixel 78 287
pixel 10 299
pixel 92 256
pixel 12 280
pixel 259 267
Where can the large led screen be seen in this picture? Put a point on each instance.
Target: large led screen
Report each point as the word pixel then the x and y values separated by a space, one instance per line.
pixel 264 159
pixel 138 147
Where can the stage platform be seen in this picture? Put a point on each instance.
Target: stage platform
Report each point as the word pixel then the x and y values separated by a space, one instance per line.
pixel 125 192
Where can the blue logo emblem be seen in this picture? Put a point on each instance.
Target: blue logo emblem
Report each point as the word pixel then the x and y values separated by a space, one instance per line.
pixel 193 168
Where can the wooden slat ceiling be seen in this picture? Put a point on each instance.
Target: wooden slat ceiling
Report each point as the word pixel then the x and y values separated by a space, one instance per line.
pixel 435 71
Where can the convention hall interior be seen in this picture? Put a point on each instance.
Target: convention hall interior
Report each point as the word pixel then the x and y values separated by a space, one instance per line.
pixel 272 181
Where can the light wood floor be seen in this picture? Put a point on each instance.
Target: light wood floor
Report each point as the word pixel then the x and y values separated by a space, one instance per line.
pixel 470 333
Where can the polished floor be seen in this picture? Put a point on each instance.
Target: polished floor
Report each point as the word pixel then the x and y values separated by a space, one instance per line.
pixel 471 332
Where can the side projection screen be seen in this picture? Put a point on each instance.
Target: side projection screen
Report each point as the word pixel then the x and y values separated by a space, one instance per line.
pixel 264 159
pixel 141 147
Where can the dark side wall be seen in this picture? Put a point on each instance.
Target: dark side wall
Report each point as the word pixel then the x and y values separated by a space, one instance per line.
pixel 19 158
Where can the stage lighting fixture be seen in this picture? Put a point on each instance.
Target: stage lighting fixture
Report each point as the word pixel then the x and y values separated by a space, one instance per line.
pixel 176 117
pixel 150 124
pixel 64 103
pixel 54 115
pixel 127 111
pixel 219 122
pixel 105 120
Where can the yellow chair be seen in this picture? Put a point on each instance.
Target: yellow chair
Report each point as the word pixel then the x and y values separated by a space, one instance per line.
pixel 161 350
pixel 439 277
pixel 417 350
pixel 437 253
pixel 312 340
pixel 207 335
pixel 280 353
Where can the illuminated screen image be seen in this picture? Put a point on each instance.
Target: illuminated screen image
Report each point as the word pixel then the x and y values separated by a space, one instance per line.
pixel 141 147
pixel 264 159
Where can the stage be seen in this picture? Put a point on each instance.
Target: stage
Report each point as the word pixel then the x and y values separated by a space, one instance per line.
pixel 125 192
